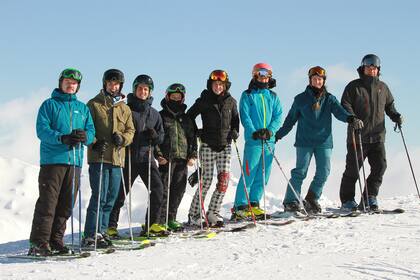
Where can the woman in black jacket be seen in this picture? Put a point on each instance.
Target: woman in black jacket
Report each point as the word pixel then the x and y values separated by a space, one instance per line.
pixel 220 121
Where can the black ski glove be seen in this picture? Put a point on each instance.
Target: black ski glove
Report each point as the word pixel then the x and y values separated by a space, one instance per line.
pixel 151 135
pixel 117 139
pixel 233 135
pixel 355 123
pixel 398 119
pixel 71 139
pixel 263 134
pixel 193 178
pixel 100 146
pixel 81 134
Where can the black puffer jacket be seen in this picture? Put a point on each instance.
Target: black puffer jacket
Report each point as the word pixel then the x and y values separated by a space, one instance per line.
pixel 219 115
pixel 180 133
pixel 144 117
pixel 369 99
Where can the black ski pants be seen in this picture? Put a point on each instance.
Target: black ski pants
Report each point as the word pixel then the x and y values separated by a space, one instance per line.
pixel 156 191
pixel 54 205
pixel 375 153
pixel 179 172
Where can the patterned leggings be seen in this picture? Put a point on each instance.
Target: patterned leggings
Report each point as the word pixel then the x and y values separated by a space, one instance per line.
pixel 208 158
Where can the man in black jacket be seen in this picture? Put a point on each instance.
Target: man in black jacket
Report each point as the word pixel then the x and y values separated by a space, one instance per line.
pixel 368 99
pixel 149 133
pixel 220 120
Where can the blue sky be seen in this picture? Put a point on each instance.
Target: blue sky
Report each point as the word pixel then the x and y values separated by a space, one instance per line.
pixel 182 41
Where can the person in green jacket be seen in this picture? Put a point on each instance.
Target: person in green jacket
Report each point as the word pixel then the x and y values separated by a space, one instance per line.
pixel 114 131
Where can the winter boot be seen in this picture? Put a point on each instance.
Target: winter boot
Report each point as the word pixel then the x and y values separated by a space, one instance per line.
pixel 372 204
pixel 41 249
pixel 112 232
pixel 156 230
pixel 89 242
pixel 349 205
pixel 241 213
pixel 215 219
pixel 196 221
pixel 59 248
pixel 292 207
pixel 174 225
pixel 311 203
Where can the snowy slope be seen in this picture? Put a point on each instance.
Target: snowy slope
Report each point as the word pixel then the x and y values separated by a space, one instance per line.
pixel 366 247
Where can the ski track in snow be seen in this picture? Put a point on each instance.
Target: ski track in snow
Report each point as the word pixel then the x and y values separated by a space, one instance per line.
pixel 365 247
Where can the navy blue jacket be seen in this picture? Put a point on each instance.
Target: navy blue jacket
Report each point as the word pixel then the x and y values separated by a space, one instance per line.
pixel 144 118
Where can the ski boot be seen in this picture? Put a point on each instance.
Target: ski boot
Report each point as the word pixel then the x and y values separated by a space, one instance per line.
pixel 349 206
pixel 174 226
pixel 41 249
pixel 59 248
pixel 156 230
pixel 113 234
pixel 215 220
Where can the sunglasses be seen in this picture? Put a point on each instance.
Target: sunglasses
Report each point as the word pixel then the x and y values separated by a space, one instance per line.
pixel 176 88
pixel 219 75
pixel 72 74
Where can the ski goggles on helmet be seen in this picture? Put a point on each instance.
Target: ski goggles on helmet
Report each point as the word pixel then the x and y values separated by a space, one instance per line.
pixel 219 75
pixel 71 73
pixel 263 73
pixel 317 70
pixel 176 88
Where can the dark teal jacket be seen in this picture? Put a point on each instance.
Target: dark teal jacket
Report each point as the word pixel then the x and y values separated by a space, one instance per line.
pixel 58 116
pixel 314 126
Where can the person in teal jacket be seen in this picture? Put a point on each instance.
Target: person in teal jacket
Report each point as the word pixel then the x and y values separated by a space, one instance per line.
pixel 63 125
pixel 312 110
pixel 260 111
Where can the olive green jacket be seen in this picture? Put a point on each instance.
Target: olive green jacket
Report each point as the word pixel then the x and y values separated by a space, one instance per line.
pixel 110 117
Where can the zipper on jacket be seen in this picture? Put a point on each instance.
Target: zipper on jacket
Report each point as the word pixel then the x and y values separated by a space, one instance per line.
pixel 265 115
pixel 71 128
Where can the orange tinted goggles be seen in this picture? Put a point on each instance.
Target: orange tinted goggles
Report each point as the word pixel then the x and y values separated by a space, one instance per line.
pixel 219 75
pixel 319 71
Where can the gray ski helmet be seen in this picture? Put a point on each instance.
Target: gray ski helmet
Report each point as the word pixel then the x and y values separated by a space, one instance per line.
pixel 143 79
pixel 113 75
pixel 371 60
pixel 70 73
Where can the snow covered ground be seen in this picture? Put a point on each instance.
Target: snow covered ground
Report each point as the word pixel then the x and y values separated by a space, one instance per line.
pixel 365 247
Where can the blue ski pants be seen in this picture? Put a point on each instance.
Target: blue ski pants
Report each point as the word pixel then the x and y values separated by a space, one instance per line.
pixel 298 174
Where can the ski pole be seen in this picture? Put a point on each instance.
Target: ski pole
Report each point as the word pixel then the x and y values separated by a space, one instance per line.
pixel 73 189
pixel 358 168
pixel 125 197
pixel 288 181
pixel 80 199
pixel 169 191
pixel 99 198
pixel 363 170
pixel 408 156
pixel 148 188
pixel 200 189
pixel 263 176
pixel 129 182
pixel 244 181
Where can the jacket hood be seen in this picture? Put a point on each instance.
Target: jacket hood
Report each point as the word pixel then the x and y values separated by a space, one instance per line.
pixel 139 105
pixel 58 94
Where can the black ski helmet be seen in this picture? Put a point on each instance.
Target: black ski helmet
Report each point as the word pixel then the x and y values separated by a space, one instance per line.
pixel 113 75
pixel 218 75
pixel 70 73
pixel 176 88
pixel 371 60
pixel 143 79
